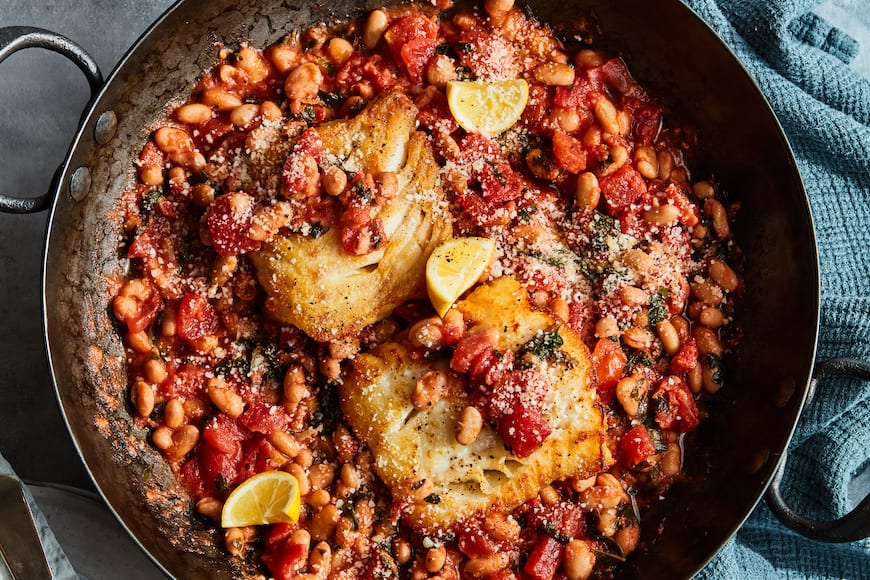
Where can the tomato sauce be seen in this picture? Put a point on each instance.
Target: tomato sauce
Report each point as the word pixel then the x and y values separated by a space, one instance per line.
pixel 596 208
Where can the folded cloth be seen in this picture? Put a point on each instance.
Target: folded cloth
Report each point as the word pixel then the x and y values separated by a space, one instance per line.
pixel 61 569
pixel 801 64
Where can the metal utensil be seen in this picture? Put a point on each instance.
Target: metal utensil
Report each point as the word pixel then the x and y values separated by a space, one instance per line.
pixel 20 545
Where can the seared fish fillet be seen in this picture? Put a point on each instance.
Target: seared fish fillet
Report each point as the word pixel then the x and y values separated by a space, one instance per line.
pixel 411 445
pixel 328 293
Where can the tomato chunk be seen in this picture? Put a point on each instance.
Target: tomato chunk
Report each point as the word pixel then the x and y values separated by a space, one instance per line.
pixel 412 43
pixel 608 360
pixel 195 318
pixel 469 350
pixel 635 446
pixel 675 407
pixel 544 559
pixel 686 358
pixel 517 407
pixel 568 152
pixel 229 219
pixel 622 188
pixel 282 556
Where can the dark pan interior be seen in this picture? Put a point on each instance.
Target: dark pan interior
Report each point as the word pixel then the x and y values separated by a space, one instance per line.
pixel 668 49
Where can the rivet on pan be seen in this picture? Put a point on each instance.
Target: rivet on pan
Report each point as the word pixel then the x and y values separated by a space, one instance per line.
pixel 80 183
pixel 107 124
pixel 784 392
pixel 759 459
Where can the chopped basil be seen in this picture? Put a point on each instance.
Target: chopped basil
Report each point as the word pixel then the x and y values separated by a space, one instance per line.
pixel 317 229
pixel 658 308
pixel 308 114
pixel 543 345
pixel 157 413
pixel 331 99
pixel 658 442
pixel 348 511
pixel 150 200
pixel 265 357
pixel 221 484
pixel 712 361
pixel 548 528
pixel 526 212
pixel 603 227
pixel 239 366
pixel 637 358
pixel 613 551
pixel 496 172
pixel 432 498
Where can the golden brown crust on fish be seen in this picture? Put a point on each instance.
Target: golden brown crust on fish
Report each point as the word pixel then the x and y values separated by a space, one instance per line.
pixel 412 446
pixel 320 288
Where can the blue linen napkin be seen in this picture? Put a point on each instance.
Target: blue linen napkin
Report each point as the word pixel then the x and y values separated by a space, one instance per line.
pixel 801 64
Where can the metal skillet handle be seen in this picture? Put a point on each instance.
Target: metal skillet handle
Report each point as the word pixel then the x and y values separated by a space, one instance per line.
pixel 856 524
pixel 15 38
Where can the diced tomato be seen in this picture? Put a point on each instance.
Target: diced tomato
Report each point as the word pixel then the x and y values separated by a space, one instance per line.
pixel 190 381
pixel 358 240
pixel 646 120
pixel 261 417
pixel 608 360
pixel 523 430
pixel 635 446
pixel 148 311
pixel 499 183
pixel 195 317
pixel 223 435
pixel 412 43
pixel 686 358
pixel 544 559
pixel 517 406
pixel 474 541
pixel 568 152
pixel 218 469
pixel 281 556
pixel 277 534
pixel 229 219
pixel 615 75
pixel 212 132
pixel 622 188
pixel 152 155
pixel 674 405
pixel 256 458
pixel 373 68
pixel 469 350
pixel 491 367
pixel 582 94
pixel 191 478
pixel 416 54
pixel 568 518
pixel 538 108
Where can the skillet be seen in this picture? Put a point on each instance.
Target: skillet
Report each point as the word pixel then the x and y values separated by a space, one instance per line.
pixel 769 376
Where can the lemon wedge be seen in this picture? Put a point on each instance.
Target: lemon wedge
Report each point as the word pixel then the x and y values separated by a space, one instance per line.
pixel 454 267
pixel 487 108
pixel 266 498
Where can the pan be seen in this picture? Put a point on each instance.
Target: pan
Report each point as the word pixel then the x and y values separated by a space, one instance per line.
pixel 770 376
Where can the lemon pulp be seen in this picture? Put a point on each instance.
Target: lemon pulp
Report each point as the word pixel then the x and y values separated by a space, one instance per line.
pixel 266 498
pixel 454 267
pixel 488 108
